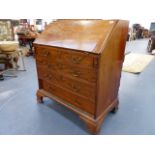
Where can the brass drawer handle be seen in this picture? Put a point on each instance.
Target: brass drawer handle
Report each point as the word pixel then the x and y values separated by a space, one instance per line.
pixel 75 87
pixel 76 60
pixel 76 73
pixel 95 62
pixel 46 53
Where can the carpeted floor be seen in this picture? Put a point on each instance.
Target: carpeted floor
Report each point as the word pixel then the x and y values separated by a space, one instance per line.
pixel 136 62
pixel 20 114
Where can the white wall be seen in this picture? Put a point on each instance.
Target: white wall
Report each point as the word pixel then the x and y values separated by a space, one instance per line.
pixel 144 23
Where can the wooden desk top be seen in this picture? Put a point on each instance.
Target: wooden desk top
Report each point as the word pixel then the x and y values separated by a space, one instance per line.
pixel 85 35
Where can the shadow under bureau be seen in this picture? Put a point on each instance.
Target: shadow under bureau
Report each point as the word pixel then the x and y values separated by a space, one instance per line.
pixel 79 65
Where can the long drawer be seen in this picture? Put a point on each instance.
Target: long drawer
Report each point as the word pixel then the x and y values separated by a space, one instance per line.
pixel 88 75
pixel 65 56
pixel 82 103
pixel 77 87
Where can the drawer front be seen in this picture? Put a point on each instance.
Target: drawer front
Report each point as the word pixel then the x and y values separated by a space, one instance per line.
pixel 67 96
pixel 87 75
pixel 43 55
pixel 83 89
pixel 83 59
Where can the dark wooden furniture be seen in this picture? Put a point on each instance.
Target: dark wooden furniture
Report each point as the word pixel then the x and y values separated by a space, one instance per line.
pixel 151 42
pixel 24 40
pixel 79 65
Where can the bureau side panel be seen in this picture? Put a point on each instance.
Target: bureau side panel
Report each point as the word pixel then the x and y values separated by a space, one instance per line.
pixel 37 69
pixel 110 66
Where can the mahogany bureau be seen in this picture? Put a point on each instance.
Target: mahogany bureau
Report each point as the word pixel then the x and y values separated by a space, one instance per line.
pixel 79 65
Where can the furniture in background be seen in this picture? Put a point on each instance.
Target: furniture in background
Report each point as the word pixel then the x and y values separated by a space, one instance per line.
pixel 24 40
pixel 79 65
pixel 26 36
pixel 9 50
pixel 151 43
pixel 138 32
pixel 145 33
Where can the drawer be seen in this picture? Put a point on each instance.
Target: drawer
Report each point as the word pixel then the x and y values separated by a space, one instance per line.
pixel 72 57
pixel 65 56
pixel 82 103
pixel 79 73
pixel 77 87
pixel 45 55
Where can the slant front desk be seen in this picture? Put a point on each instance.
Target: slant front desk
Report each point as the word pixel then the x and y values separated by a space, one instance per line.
pixel 79 65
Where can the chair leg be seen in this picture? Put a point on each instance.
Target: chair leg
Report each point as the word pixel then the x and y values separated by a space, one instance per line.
pixel 14 69
pixel 23 63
